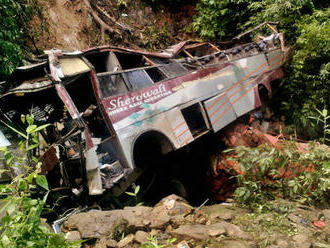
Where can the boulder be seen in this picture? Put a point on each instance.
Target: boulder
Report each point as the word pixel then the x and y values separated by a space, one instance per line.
pixel 201 232
pixel 234 244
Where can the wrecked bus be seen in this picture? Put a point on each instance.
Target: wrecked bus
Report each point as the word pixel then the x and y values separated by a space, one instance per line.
pixel 113 109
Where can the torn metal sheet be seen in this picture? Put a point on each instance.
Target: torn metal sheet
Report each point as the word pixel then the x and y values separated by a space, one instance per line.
pixel 105 103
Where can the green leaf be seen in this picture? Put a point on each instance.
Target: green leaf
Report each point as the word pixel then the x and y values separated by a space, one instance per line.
pixel 42 181
pixel 31 147
pixel 30 177
pixel 137 189
pixel 22 185
pixel 325 112
pixel 41 127
pixel 23 119
pixel 30 119
pixel 15 130
pixel 130 193
pixel 30 129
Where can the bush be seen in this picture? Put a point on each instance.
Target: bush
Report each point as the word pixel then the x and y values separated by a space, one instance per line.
pixel 269 172
pixel 21 224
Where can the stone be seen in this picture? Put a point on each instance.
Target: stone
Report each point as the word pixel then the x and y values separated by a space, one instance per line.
pixel 201 232
pixel 73 236
pixel 106 243
pixel 191 231
pixel 326 214
pixel 218 211
pixel 102 223
pixel 125 241
pixel 168 229
pixel 174 205
pixel 234 244
pixel 141 237
pixel 283 243
pixel 300 238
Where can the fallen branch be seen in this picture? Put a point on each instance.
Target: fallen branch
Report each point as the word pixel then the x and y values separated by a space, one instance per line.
pixel 106 18
pixel 103 25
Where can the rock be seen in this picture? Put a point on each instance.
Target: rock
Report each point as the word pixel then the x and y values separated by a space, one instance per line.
pixel 174 205
pixel 326 214
pixel 73 236
pixel 201 232
pixel 300 238
pixel 320 245
pixel 106 243
pixel 218 211
pixel 234 244
pixel 192 231
pixel 102 223
pixel 125 241
pixel 283 243
pixel 141 237
pixel 154 232
pixel 168 229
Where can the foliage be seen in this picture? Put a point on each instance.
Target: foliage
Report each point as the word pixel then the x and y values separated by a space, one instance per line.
pixel 14 19
pixel 219 18
pixel 134 194
pixel 10 35
pixel 21 224
pixel 269 172
pixel 324 119
pixel 306 25
pixel 154 243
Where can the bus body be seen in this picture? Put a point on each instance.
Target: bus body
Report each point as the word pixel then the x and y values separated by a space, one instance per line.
pixel 121 99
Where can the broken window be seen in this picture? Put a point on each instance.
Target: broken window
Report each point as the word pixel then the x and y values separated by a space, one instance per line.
pixel 173 70
pixel 195 119
pixel 131 61
pixel 139 79
pixel 155 74
pixel 112 84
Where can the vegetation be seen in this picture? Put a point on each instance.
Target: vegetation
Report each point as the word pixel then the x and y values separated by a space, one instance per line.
pixel 306 25
pixel 154 243
pixel 14 32
pixel 286 171
pixel 21 223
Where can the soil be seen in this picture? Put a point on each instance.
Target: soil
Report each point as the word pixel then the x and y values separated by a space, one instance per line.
pixel 69 25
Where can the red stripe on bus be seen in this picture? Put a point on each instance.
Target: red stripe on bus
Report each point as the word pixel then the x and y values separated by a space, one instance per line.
pixel 234 93
pixel 257 69
pixel 179 125
pixel 216 120
pixel 183 132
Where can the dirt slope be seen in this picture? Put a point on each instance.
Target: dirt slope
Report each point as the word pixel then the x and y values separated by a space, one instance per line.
pixel 70 25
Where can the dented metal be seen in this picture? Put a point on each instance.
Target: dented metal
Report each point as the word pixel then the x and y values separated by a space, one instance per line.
pixel 109 97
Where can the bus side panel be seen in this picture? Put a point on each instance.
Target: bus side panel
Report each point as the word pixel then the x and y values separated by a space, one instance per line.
pixel 220 111
pixel 179 126
pixel 242 97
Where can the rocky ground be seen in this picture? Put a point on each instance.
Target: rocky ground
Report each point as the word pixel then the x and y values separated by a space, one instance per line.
pixel 173 220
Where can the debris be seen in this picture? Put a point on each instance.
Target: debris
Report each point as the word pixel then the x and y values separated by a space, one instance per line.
pixel 183 244
pixel 125 241
pixel 319 223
